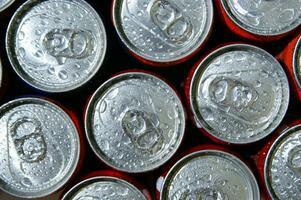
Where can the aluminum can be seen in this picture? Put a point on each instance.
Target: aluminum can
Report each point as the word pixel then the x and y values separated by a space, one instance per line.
pixel 261 21
pixel 109 185
pixel 291 58
pixel 135 122
pixel 56 45
pixel 5 4
pixel 208 172
pixel 40 147
pixel 238 94
pixel 163 32
pixel 279 164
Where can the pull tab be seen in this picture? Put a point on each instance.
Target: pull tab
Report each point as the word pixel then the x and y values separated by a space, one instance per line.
pixel 68 43
pixel 176 27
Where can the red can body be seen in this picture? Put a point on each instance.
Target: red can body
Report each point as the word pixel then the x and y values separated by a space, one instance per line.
pixel 192 150
pixel 261 157
pixel 233 27
pixel 287 59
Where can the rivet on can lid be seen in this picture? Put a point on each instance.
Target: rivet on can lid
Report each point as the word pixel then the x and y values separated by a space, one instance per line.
pixel 210 174
pixel 5 4
pixel 103 187
pixel 239 94
pixel 163 30
pixel 56 45
pixel 265 18
pixel 283 166
pixel 135 122
pixel 297 62
pixel 39 147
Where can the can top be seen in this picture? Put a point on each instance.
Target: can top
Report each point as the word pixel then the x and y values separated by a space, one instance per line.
pixel 5 4
pixel 239 94
pixel 297 62
pixel 267 18
pixel 210 174
pixel 283 165
pixel 163 30
pixel 39 147
pixel 135 122
pixel 56 45
pixel 104 187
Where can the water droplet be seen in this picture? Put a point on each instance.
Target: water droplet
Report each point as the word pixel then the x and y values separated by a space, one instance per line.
pixel 21 35
pixel 63 75
pixel 22 52
pixel 39 54
pixel 103 107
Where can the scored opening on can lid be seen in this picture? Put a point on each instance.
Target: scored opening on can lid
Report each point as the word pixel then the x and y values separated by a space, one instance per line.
pixel 39 147
pixel 56 45
pixel 297 62
pixel 266 18
pixel 135 122
pixel 282 170
pixel 104 187
pixel 210 174
pixel 5 4
pixel 163 30
pixel 239 94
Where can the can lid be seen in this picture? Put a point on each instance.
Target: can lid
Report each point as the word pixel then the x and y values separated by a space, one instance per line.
pixel 283 165
pixel 39 148
pixel 265 18
pixel 163 30
pixel 5 4
pixel 210 174
pixel 135 122
pixel 104 187
pixel 297 62
pixel 239 94
pixel 56 45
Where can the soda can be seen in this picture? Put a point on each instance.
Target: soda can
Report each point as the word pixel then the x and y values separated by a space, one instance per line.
pixel 238 94
pixel 163 32
pixel 135 122
pixel 261 21
pixel 291 58
pixel 5 4
pixel 40 148
pixel 109 185
pixel 279 164
pixel 56 46
pixel 208 172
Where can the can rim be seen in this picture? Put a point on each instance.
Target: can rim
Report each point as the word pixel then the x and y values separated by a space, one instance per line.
pixel 19 70
pixel 96 179
pixel 132 48
pixel 1 73
pixel 297 51
pixel 245 28
pixel 76 135
pixel 202 66
pixel 200 153
pixel 91 105
pixel 7 5
pixel 280 138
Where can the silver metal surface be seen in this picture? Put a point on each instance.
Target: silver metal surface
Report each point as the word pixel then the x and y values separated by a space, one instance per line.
pixel 56 45
pixel 1 74
pixel 163 30
pixel 210 174
pixel 5 4
pixel 104 187
pixel 135 122
pixel 39 148
pixel 283 166
pixel 264 17
pixel 239 94
pixel 297 62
